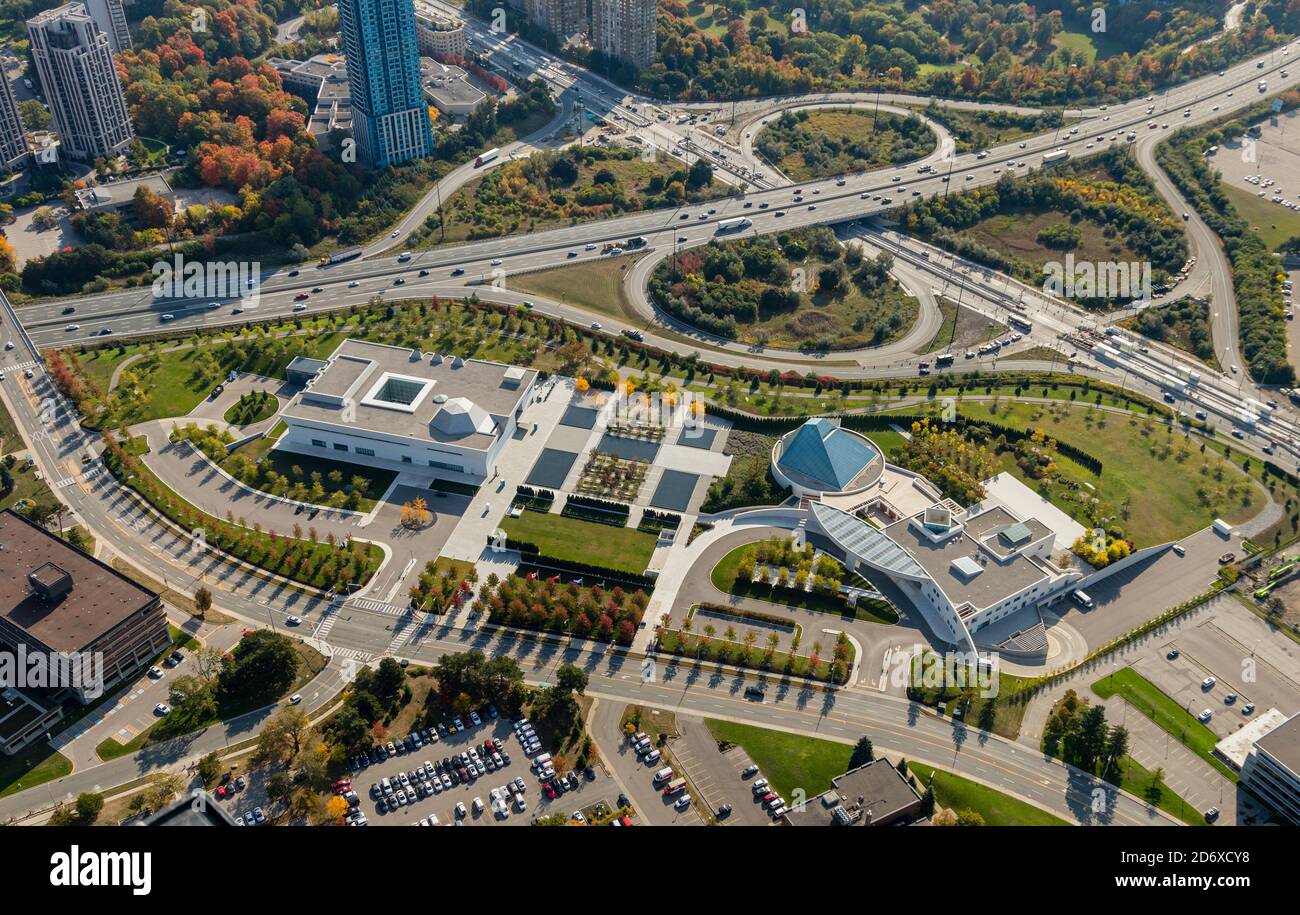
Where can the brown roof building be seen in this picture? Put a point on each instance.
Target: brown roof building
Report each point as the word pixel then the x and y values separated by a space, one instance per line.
pixel 58 601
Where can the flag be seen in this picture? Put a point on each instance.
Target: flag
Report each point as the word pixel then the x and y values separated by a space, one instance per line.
pixel 554 578
pixel 576 581
pixel 531 576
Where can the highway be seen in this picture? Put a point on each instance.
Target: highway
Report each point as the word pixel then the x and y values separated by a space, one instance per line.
pixel 96 500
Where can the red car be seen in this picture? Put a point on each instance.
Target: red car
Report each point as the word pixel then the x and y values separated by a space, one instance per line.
pixel 300 296
pixel 343 784
pixel 223 792
pixel 549 789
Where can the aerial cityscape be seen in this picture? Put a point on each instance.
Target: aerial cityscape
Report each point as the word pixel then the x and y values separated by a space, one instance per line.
pixel 649 413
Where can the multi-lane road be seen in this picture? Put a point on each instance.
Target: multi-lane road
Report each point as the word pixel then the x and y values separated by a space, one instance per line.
pixel 58 444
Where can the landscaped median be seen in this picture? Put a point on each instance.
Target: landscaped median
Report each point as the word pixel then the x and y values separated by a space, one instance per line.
pixel 699 637
pixel 799 580
pixel 327 565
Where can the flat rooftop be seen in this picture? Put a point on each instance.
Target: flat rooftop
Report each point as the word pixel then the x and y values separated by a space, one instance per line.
pixel 1237 745
pixel 100 597
pixel 997 580
pixel 1283 744
pixel 876 788
pixel 424 396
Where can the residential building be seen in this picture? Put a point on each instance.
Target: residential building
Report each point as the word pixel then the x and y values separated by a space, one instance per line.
pixel 400 409
pixel 874 794
pixel 111 19
pixel 389 119
pixel 74 60
pixel 14 148
pixel 58 602
pixel 624 30
pixel 440 38
pixel 562 18
pixel 1272 769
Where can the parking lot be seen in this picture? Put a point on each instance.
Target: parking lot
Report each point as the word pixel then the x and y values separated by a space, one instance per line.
pixel 716 777
pixel 1235 647
pixel 443 805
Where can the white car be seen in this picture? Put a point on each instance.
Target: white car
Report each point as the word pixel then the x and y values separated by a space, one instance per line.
pixel 682 802
pixel 1205 716
pixel 496 262
pixel 162 708
pixel 71 327
pixel 394 233
pixel 353 285
pixel 591 246
pixel 293 620
pixel 300 307
pixel 155 673
pixel 295 699
pixel 1208 682
pixel 595 325
pixel 9 344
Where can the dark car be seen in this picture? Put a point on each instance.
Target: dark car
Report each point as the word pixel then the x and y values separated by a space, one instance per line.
pixel 424 273
pixel 399 281
pixel 293 272
pixel 458 271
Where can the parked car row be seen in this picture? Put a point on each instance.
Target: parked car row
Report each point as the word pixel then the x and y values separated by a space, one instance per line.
pixel 644 748
pixel 772 802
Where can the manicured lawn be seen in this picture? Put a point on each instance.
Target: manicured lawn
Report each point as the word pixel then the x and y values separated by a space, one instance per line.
pixel 1172 718
pixel 252 408
pixel 1272 222
pixel 858 141
pixel 1007 716
pixel 576 540
pixel 1160 485
pixel 791 762
pixel 726 577
pixel 32 766
pixel 595 286
pixel 997 809
pixel 298 468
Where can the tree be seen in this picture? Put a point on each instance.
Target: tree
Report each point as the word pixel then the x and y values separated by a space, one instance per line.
pixel 572 678
pixel 263 666
pixel 415 513
pixel 969 818
pixel 700 175
pixel 89 807
pixel 45 218
pixel 337 808
pixel 863 752
pixel 210 768
pixel 927 800
pixel 203 602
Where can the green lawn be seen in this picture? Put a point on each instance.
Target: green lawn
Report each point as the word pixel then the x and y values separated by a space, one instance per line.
pixel 1159 486
pixel 998 809
pixel 1172 718
pixel 726 577
pixel 793 762
pixel 31 767
pixel 573 539
pixel 252 408
pixel 595 286
pixel 1272 222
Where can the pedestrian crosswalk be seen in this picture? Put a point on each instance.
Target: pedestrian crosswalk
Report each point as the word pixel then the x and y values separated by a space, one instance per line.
pixel 377 606
pixel 356 654
pixel 24 366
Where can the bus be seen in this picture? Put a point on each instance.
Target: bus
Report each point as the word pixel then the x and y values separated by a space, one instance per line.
pixel 734 225
pixel 944 359
pixel 485 157
pixel 675 786
pixel 1019 321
